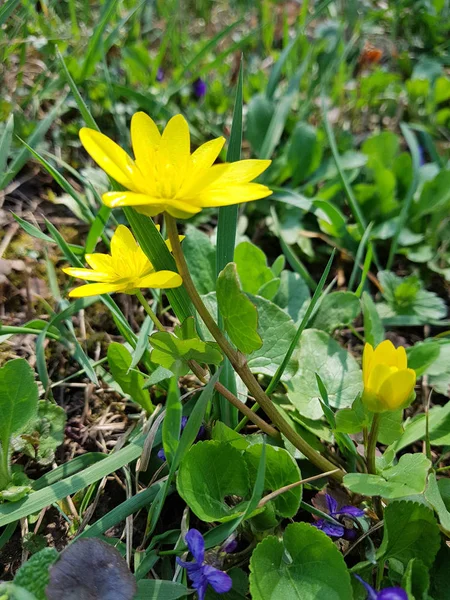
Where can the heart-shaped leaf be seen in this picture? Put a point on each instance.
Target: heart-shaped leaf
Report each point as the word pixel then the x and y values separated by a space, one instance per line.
pixel 304 564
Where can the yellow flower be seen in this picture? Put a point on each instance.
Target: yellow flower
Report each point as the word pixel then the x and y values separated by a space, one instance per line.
pixel 165 176
pixel 388 383
pixel 126 270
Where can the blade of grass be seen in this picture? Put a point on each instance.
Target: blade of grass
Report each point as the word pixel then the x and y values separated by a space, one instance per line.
pixel 366 268
pixel 95 41
pixel 35 138
pixel 5 143
pixel 359 255
pixel 226 239
pixel 7 9
pixel 413 146
pixel 70 485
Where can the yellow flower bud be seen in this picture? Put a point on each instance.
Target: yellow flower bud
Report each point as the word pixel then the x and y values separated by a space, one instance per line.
pixel 388 383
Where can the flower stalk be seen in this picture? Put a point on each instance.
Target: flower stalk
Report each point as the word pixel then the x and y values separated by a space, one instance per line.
pixel 372 445
pixel 239 361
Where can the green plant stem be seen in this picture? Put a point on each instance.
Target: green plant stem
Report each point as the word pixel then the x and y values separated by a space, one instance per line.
pixel 149 311
pixel 239 361
pixel 5 473
pixel 372 444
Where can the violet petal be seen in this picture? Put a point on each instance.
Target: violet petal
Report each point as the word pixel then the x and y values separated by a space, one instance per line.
pixel 352 511
pixel 196 544
pixel 218 580
pixel 371 593
pixel 330 529
pixel 392 593
pixel 331 503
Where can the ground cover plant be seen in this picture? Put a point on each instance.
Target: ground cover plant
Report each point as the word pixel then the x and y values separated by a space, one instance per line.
pixel 224 336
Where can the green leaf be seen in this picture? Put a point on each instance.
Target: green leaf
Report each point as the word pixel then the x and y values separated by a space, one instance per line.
pixel 416 580
pixel 435 196
pixel 158 375
pixel 200 256
pixel 34 574
pixel 303 564
pixel 434 497
pixel 407 478
pixel 251 264
pixel 7 9
pixel 18 399
pixel 173 350
pixel 239 314
pixel 340 373
pixel 158 589
pixel 43 434
pixel 338 309
pixel 209 473
pixel 439 574
pixel 293 295
pixel 304 152
pixel 422 355
pixel 172 421
pixel 406 296
pixel 438 427
pixel 259 115
pixel 410 531
pixel 281 470
pixel 32 230
pixel 373 327
pixel 10 591
pixel 131 381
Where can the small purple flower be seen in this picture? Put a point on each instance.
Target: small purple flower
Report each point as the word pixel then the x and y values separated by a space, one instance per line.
pixel 199 88
pixel 230 544
pixel 333 529
pixel 160 75
pixel 390 593
pixel 200 573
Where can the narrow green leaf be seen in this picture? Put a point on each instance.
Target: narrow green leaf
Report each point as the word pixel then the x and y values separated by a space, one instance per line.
pixel 7 9
pixel 97 228
pixel 172 421
pixel 239 314
pixel 5 143
pixel 47 496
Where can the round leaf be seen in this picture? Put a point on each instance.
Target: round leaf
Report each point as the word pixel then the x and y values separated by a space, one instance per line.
pixel 304 564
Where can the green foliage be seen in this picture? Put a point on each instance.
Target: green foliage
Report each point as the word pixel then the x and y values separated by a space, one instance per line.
pixel 406 478
pixel 173 351
pixel 336 310
pixel 34 576
pixel 406 296
pixel 18 405
pixel 43 434
pixel 341 375
pixel 130 380
pixel 254 274
pixel 210 472
pixel 239 314
pixel 304 563
pixel 410 531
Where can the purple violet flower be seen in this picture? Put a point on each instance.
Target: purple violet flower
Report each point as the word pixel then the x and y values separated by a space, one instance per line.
pixel 199 88
pixel 159 75
pixel 333 529
pixel 230 544
pixel 390 593
pixel 200 573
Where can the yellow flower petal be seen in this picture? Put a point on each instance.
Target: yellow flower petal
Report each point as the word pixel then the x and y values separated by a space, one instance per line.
pixel 367 357
pixel 397 389
pixel 205 155
pixel 244 171
pixel 402 359
pixel 385 353
pixel 123 242
pixel 181 210
pixel 111 158
pixel 233 194
pixel 378 376
pixel 145 139
pixel 87 274
pixel 119 199
pixel 169 243
pixel 161 280
pixel 193 185
pixel 99 262
pixel 95 289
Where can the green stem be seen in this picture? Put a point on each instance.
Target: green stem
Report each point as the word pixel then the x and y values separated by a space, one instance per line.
pixel 5 472
pixel 372 444
pixel 239 361
pixel 149 311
